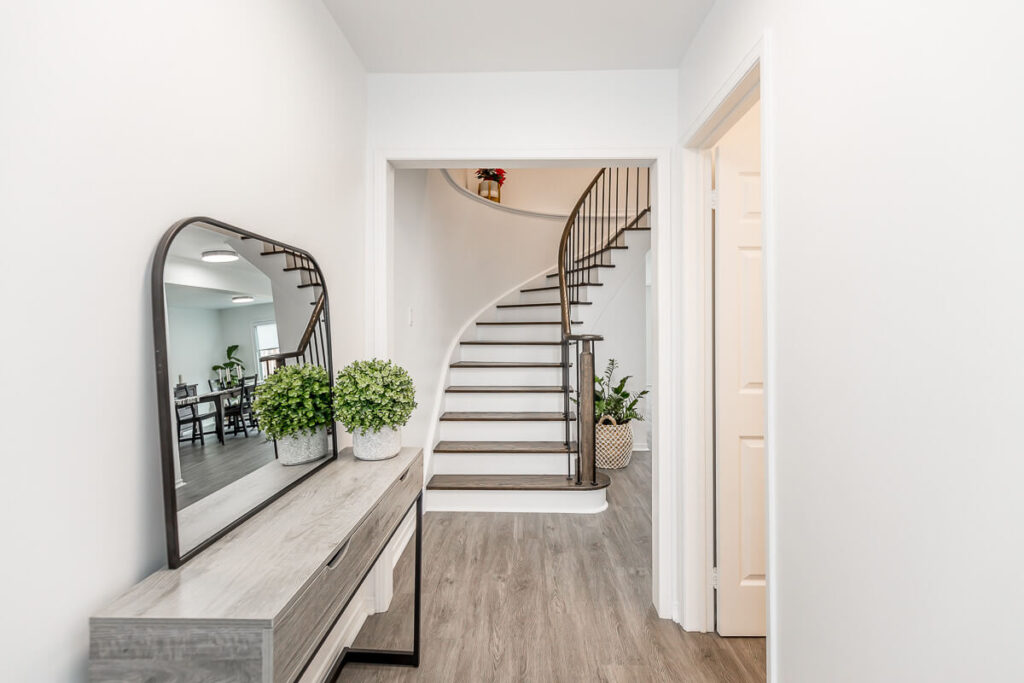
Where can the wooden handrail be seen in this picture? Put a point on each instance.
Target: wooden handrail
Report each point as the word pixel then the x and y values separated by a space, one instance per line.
pixel 590 232
pixel 563 242
pixel 307 335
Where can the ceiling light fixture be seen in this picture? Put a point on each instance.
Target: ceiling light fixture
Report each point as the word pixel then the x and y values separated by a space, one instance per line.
pixel 243 299
pixel 220 256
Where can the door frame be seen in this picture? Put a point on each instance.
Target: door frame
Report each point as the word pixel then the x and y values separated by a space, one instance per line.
pixel 666 376
pixel 751 80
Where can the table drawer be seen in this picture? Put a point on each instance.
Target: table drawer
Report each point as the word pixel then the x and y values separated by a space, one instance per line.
pixel 299 630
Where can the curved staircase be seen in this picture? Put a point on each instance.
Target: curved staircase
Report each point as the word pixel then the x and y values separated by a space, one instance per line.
pixel 508 428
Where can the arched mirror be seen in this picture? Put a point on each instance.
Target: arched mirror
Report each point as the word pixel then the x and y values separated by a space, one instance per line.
pixel 231 309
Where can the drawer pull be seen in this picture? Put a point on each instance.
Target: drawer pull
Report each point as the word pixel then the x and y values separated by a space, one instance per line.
pixel 337 556
pixel 405 474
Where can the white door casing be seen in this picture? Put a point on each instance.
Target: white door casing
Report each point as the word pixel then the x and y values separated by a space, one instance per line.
pixel 739 382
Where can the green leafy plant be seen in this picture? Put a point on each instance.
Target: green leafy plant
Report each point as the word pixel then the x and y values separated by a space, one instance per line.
pixel 295 399
pixel 371 394
pixel 613 399
pixel 229 365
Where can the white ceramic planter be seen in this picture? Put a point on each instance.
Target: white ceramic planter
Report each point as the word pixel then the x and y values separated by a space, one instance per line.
pixel 301 448
pixel 367 445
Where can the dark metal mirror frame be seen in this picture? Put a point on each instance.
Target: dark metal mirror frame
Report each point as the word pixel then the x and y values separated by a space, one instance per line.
pixel 163 387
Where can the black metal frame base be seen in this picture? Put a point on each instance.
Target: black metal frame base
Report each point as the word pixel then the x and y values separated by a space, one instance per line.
pixel 393 657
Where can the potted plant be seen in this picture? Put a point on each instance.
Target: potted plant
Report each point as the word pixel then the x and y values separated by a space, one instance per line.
pixel 373 398
pixel 233 365
pixel 491 180
pixel 614 409
pixel 293 406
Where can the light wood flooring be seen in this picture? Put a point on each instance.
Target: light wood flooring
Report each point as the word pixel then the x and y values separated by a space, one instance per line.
pixel 548 598
pixel 210 468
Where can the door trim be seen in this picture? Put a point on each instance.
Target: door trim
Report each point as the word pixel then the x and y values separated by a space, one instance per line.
pixel 752 74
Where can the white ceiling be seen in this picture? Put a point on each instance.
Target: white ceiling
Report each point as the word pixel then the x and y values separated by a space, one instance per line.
pixel 184 296
pixel 528 35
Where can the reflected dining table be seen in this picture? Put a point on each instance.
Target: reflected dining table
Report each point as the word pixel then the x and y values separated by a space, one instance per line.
pixel 218 399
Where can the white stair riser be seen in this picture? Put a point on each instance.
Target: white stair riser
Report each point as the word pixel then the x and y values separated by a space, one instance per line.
pixel 519 354
pixel 504 402
pixel 542 297
pixel 504 376
pixel 532 313
pixel 580 502
pixel 500 463
pixel 583 293
pixel 518 332
pixel 474 430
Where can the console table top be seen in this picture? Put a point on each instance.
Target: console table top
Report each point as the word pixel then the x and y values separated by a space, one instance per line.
pixel 249 575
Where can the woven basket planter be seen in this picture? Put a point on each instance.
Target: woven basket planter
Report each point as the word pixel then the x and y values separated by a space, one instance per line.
pixel 613 443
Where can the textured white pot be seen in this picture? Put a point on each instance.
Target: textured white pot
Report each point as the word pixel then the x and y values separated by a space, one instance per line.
pixel 300 448
pixel 367 445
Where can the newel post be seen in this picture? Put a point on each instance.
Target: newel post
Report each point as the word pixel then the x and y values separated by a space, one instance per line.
pixel 588 467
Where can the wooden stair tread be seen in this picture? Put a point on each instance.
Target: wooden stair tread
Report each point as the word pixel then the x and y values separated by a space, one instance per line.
pixel 501 364
pixel 503 447
pixel 468 389
pixel 496 416
pixel 528 322
pixel 582 268
pixel 551 288
pixel 511 343
pixel 546 303
pixel 512 482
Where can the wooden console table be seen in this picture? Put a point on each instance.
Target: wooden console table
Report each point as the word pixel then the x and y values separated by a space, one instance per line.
pixel 261 603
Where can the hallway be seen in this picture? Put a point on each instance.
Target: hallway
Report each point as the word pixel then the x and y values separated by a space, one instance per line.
pixel 568 600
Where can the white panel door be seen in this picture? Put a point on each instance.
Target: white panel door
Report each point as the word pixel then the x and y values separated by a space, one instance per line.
pixel 739 382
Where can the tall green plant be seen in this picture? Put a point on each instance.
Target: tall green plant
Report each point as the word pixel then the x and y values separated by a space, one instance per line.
pixel 372 394
pixel 613 399
pixel 232 362
pixel 295 399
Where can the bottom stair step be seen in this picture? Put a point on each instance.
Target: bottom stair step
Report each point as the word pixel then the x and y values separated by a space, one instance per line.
pixel 511 482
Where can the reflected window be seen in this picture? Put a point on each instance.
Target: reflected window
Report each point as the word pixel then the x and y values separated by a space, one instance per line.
pixel 266 345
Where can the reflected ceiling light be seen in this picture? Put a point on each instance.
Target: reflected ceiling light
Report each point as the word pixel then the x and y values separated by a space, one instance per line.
pixel 220 256
pixel 243 299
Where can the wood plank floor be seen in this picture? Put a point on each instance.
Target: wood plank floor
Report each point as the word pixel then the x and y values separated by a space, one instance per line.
pixel 210 468
pixel 548 598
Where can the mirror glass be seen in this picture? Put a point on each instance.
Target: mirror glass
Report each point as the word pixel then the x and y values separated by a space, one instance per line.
pixel 237 307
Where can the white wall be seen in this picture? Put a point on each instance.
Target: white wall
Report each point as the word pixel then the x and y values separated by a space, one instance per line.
pixel 195 343
pixel 894 273
pixel 619 314
pixel 453 256
pixel 544 190
pixel 120 118
pixel 522 111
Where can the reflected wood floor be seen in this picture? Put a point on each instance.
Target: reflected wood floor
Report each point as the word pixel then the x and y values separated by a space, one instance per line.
pixel 210 468
pixel 548 598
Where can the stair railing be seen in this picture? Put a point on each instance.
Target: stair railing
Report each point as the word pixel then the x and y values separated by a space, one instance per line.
pixel 312 347
pixel 616 200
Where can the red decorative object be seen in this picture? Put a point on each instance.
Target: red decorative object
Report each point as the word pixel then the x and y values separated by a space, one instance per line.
pixel 495 174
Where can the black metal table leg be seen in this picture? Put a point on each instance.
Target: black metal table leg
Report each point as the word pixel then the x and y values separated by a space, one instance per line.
pixel 393 657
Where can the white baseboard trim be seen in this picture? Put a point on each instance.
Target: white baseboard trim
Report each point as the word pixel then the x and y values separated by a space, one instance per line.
pixel 572 502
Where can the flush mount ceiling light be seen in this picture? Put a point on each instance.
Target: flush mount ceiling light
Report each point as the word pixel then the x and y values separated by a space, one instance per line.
pixel 243 299
pixel 220 256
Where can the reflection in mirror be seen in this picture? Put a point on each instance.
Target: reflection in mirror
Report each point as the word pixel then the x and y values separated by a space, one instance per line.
pixel 236 309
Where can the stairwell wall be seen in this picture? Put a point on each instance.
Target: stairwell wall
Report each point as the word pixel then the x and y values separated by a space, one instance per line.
pixel 452 257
